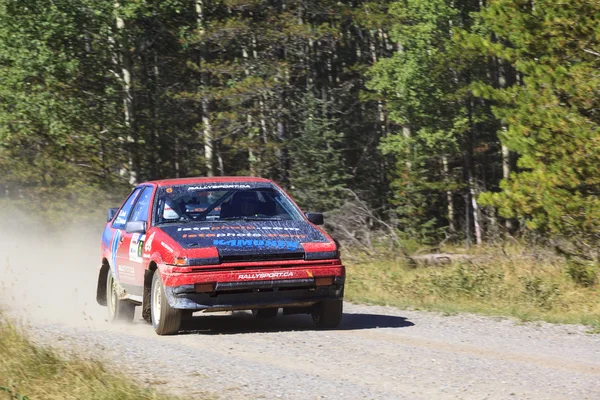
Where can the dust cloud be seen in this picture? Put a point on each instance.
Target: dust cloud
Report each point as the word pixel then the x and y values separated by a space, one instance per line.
pixel 49 275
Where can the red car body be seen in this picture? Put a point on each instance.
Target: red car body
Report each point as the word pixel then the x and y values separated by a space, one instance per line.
pixel 228 265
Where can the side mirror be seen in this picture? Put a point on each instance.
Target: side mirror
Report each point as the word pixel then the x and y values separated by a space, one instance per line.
pixel 135 227
pixel 315 218
pixel 111 213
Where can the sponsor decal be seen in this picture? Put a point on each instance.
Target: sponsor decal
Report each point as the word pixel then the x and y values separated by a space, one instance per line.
pixel 260 244
pixel 146 255
pixel 169 190
pixel 229 186
pixel 120 221
pixel 135 247
pixel 202 228
pixel 141 245
pixel 148 245
pixel 266 275
pixel 166 246
pixel 114 246
pixel 252 235
pixel 236 228
pixel 126 270
pixel 192 208
pixel 310 274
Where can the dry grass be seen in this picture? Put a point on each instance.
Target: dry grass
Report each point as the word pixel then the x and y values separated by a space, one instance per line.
pixel 502 281
pixel 40 373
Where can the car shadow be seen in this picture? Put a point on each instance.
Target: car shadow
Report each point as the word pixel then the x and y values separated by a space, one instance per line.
pixel 245 322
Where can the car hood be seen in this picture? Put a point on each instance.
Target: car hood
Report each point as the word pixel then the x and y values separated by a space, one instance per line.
pixel 235 238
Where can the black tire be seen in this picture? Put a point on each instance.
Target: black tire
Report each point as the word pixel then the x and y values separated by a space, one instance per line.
pixel 328 314
pixel 265 313
pixel 165 320
pixel 118 310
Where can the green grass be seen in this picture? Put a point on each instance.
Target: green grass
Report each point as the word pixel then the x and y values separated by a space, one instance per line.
pixel 500 283
pixel 35 372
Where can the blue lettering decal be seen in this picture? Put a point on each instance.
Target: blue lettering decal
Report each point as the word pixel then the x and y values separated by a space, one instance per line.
pixel 272 244
pixel 114 247
pixel 291 245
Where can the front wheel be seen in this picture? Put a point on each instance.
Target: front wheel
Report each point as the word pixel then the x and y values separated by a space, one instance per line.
pixel 118 310
pixel 328 314
pixel 165 319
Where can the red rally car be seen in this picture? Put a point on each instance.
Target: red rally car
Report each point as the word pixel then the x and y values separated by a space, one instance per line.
pixel 217 244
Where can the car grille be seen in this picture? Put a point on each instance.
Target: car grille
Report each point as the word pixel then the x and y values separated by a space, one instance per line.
pixel 232 258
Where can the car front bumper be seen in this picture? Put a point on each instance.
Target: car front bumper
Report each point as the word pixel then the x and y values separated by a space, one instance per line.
pixel 258 288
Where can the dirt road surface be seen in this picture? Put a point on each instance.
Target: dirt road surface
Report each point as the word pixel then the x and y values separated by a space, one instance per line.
pixel 48 282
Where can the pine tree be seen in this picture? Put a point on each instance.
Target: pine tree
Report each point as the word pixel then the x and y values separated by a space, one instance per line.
pixel 552 113
pixel 57 100
pixel 317 176
pixel 439 125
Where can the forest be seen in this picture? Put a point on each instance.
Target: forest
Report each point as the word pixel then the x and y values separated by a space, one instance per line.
pixel 460 120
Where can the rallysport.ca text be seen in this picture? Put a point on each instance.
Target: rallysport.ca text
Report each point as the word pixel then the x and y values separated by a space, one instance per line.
pixel 270 275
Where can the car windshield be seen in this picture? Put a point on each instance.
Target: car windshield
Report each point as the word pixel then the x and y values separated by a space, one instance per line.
pixel 221 202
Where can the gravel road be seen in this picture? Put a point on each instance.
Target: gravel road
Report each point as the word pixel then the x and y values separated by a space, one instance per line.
pixel 377 353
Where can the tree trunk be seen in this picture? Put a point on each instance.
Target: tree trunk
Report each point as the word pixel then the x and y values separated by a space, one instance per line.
pixel 252 157
pixel 507 157
pixel 124 61
pixel 380 114
pixel 470 177
pixel 407 133
pixel 472 191
pixel 449 200
pixel 476 213
pixel 207 134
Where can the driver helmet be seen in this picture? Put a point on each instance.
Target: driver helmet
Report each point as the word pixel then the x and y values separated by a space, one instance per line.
pixel 169 210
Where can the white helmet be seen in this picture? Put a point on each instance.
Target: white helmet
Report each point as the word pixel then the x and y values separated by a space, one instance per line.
pixel 168 212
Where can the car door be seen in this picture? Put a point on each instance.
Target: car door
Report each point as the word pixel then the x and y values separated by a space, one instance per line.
pixel 120 247
pixel 133 243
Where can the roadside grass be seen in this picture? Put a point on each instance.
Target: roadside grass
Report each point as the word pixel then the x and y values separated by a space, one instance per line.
pixel 35 372
pixel 508 281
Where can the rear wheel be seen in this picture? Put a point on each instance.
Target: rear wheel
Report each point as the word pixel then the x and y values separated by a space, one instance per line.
pixel 328 314
pixel 265 313
pixel 118 310
pixel 165 320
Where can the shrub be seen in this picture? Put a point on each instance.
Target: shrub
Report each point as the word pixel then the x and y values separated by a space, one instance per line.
pixel 582 273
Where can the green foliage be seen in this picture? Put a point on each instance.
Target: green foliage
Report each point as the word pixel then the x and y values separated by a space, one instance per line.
pixel 424 84
pixel 317 176
pixel 500 283
pixel 406 103
pixel 552 115
pixel 583 273
pixel 57 99
pixel 41 373
pixel 540 293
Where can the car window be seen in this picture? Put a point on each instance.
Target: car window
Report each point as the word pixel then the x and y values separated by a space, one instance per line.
pixel 140 211
pixel 125 210
pixel 223 201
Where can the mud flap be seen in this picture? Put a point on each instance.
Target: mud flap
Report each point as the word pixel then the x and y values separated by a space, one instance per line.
pixel 146 311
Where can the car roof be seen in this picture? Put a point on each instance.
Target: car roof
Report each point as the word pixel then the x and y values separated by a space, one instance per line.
pixel 204 179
